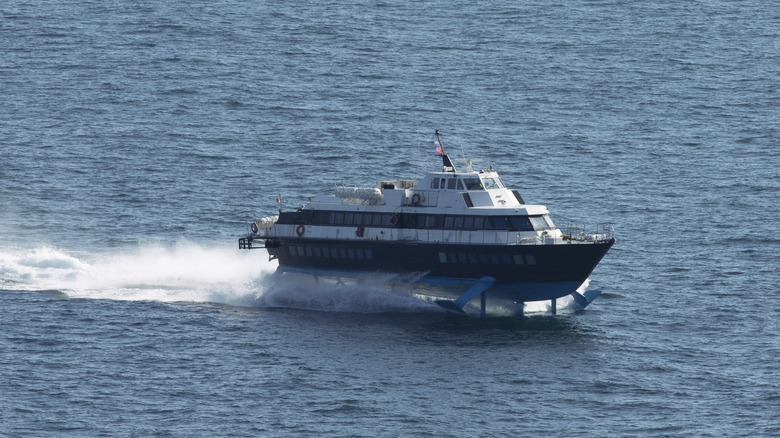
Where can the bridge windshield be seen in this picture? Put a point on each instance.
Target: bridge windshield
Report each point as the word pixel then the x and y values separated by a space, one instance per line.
pixel 490 183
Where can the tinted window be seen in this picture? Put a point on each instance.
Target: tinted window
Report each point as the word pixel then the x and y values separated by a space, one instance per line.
pixel 473 184
pixel 520 223
pixel 499 223
pixel 458 223
pixel 435 183
pixel 451 183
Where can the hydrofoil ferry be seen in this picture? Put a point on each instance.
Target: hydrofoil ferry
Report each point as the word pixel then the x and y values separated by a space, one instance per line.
pixel 455 234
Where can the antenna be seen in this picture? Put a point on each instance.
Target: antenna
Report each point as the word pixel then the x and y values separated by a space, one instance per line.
pixel 446 162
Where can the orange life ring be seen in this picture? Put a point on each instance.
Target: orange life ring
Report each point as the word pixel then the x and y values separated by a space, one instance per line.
pixel 416 199
pixel 254 228
pixel 300 230
pixel 359 232
pixel 394 220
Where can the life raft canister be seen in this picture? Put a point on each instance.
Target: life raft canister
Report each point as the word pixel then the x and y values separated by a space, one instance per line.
pixel 300 230
pixel 359 232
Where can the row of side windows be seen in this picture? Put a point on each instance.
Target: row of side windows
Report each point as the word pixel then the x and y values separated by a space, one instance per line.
pixel 329 252
pixel 486 259
pixel 470 183
pixel 418 221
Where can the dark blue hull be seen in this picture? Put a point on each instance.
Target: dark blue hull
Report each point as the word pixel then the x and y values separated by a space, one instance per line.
pixel 522 272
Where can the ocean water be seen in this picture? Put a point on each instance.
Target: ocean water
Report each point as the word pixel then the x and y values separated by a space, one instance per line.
pixel 138 139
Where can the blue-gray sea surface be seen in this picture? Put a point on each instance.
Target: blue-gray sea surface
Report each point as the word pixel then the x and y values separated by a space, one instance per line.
pixel 137 139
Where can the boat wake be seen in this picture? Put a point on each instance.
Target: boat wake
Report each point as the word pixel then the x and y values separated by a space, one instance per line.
pixel 188 272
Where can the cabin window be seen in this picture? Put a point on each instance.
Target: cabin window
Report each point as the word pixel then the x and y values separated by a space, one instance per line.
pixel 460 185
pixel 292 250
pixel 317 251
pixel 441 186
pixel 472 258
pixel 308 251
pixel 359 253
pixel 549 221
pixel 499 223
pixel 451 183
pixel 530 260
pixel 473 184
pixel 348 218
pixel 338 219
pixel 376 219
pixel 369 254
pixel 468 222
pixel 520 223
pixel 539 223
pixel 342 253
pixel 452 257
pixel 489 183
pixel 483 258
pixel 448 222
pixel 506 259
pixel 386 220
pixel 518 259
pixel 442 257
pixel 351 252
pixel 435 183
pixel 494 259
pixel 462 258
pixel 458 222
pixel 479 223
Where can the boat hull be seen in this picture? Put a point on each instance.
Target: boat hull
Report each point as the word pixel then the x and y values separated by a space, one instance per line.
pixel 522 272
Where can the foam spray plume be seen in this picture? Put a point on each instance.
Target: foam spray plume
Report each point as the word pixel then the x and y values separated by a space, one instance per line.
pixel 188 272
